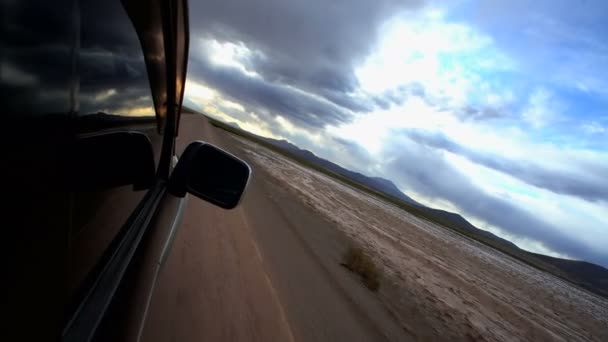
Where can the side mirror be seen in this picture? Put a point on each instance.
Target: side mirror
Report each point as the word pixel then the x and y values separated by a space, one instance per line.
pixel 210 173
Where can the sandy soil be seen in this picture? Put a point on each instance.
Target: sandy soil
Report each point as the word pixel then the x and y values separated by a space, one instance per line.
pixel 438 285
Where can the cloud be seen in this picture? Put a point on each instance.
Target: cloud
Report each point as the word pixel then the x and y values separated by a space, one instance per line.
pixel 259 95
pixel 542 109
pixel 450 65
pixel 112 72
pixel 35 79
pixel 311 46
pixel 113 81
pixel 481 114
pixel 424 170
pixel 585 184
pixel 594 128
pixel 350 155
pixel 36 66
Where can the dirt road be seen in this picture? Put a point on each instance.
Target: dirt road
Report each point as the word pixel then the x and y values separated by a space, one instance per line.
pixel 266 271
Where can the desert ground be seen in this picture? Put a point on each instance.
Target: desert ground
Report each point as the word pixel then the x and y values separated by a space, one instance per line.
pixel 270 270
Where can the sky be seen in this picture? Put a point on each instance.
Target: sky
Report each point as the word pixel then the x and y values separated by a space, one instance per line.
pixel 497 110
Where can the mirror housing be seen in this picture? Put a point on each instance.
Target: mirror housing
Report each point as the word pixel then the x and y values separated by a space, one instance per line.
pixel 210 173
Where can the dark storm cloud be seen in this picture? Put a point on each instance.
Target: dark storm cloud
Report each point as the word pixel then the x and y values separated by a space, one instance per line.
pixel 309 45
pixel 282 69
pixel 257 94
pixel 110 60
pixel 105 24
pixel 26 25
pixel 399 95
pixel 38 60
pixel 423 169
pixel 353 102
pixel 104 70
pixel 588 185
pixel 35 61
pixel 332 83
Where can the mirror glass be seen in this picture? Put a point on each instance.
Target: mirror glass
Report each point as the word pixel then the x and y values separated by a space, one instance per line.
pixel 217 176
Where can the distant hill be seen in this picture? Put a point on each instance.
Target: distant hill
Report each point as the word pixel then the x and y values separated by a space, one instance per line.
pixel 586 275
pixel 459 223
pixel 376 183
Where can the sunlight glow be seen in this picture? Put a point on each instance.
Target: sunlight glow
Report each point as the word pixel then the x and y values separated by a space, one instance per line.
pixel 370 130
pixel 449 60
pixel 412 51
pixel 198 92
pixel 285 124
pixel 137 111
pixel 105 94
pixel 229 54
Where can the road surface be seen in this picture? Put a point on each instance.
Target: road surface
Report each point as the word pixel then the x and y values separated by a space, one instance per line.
pixel 265 271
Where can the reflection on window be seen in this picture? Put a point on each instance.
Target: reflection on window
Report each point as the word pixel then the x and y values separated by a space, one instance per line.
pixel 113 78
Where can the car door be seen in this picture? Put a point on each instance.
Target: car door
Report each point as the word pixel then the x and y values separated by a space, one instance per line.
pixel 87 147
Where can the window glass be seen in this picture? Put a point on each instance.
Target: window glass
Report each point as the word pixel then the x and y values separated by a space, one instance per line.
pixel 114 95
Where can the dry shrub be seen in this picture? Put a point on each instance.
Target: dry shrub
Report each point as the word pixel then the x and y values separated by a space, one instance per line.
pixel 356 260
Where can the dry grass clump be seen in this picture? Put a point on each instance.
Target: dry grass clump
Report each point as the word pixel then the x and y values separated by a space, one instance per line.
pixel 357 261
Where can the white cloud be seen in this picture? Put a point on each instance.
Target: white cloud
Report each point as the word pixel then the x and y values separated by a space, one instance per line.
pixel 104 95
pixel 199 93
pixel 446 58
pixel 373 130
pixel 228 54
pixel 560 211
pixel 542 108
pixel 594 128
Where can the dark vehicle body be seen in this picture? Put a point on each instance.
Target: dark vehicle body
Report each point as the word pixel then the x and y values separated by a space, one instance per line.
pixel 91 97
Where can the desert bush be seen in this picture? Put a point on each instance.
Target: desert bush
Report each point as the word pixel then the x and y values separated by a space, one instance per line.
pixel 357 261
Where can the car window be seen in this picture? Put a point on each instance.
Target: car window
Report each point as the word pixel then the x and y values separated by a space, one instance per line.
pixel 70 72
pixel 114 96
